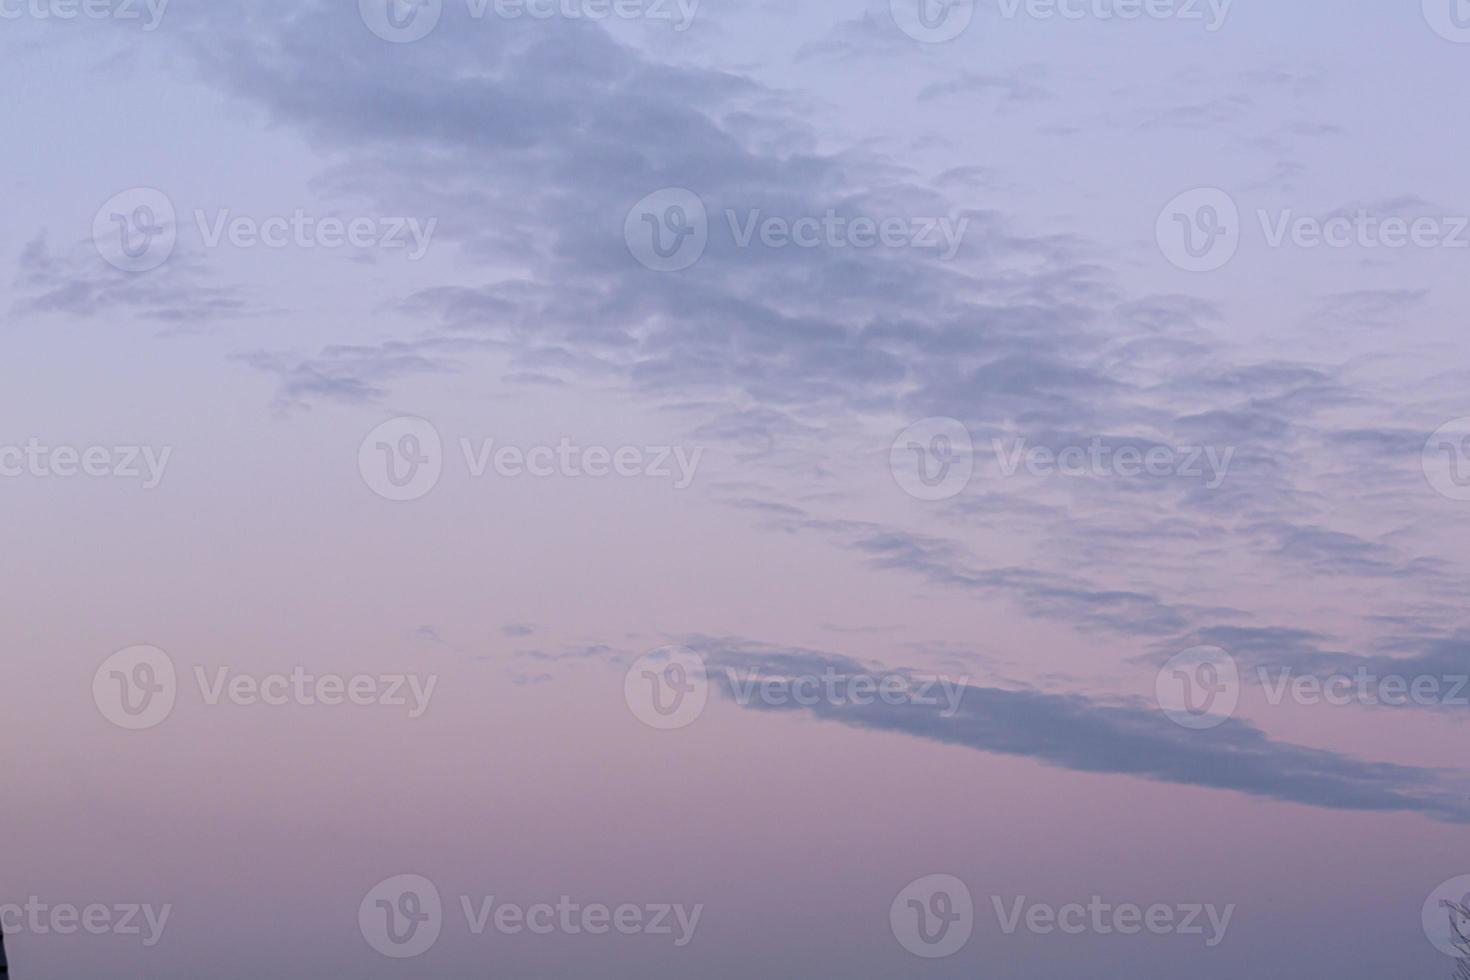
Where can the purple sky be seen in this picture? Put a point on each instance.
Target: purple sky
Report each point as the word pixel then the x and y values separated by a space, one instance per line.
pixel 517 451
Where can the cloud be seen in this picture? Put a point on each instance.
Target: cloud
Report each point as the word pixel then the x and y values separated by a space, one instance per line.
pixel 1086 734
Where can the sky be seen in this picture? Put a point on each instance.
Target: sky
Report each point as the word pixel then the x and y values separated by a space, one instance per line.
pixel 657 488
